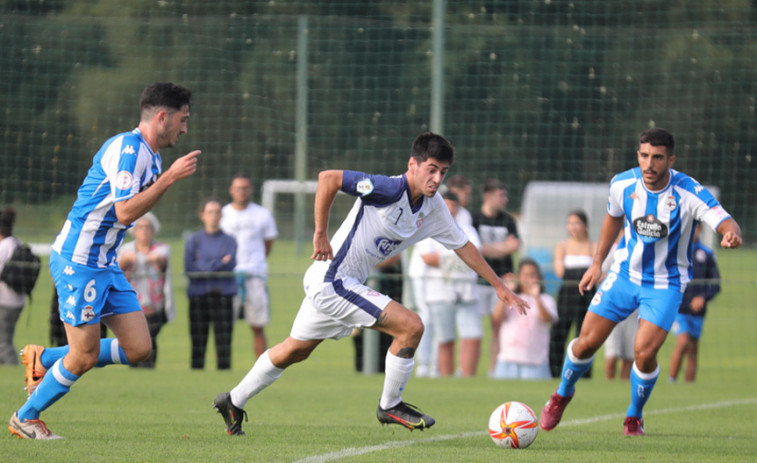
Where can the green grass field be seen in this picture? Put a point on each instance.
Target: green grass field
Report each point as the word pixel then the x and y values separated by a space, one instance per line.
pixel 322 410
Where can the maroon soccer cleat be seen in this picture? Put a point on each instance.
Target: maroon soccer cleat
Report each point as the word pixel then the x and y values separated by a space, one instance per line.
pixel 553 410
pixel 633 426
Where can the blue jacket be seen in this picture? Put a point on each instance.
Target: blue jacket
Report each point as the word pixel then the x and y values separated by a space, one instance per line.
pixel 203 253
pixel 705 280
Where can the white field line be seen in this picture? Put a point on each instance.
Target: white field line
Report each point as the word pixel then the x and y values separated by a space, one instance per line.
pixel 351 452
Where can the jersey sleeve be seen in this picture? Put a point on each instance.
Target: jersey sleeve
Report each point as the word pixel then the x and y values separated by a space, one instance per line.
pixel 123 168
pixel 376 190
pixel 447 232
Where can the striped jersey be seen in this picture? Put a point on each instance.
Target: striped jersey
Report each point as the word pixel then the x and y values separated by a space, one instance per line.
pixel 382 223
pixel 655 250
pixel 124 166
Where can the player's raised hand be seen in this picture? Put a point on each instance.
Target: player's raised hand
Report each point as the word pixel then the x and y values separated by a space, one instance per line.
pixel 184 166
pixel 731 240
pixel 321 247
pixel 512 301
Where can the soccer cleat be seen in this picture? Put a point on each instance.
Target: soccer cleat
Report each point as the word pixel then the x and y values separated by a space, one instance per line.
pixel 552 412
pixel 633 426
pixel 232 415
pixel 31 357
pixel 30 429
pixel 406 414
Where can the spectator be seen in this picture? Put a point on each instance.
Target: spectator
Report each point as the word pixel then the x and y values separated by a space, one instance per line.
pixel 687 327
pixel 524 340
pixel 572 258
pixel 426 356
pixel 254 229
pixel 146 264
pixel 462 188
pixel 209 260
pixel 451 295
pixel 11 302
pixel 499 241
pixel 619 346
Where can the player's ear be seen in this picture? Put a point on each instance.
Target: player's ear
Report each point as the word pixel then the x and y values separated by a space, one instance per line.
pixel 671 160
pixel 412 164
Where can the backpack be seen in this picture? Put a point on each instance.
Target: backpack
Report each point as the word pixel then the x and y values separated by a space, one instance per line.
pixel 20 273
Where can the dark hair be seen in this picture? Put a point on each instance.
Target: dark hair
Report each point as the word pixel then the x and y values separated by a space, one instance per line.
pixel 493 184
pixel 457 181
pixel 581 216
pixel 208 201
pixel 430 145
pixel 529 261
pixel 451 196
pixel 658 137
pixel 241 175
pixel 166 95
pixel 7 220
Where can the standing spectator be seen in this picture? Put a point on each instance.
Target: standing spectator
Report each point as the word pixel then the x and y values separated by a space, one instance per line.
pixel 426 356
pixel 572 258
pixel 687 327
pixel 619 346
pixel 462 188
pixel 499 241
pixel 524 340
pixel 146 264
pixel 209 260
pixel 452 298
pixel 254 229
pixel 11 302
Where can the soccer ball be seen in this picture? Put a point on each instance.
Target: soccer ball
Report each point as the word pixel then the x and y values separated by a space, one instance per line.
pixel 513 425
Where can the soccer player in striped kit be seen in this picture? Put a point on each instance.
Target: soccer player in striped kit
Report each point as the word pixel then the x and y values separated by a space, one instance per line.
pixel 659 209
pixel 123 184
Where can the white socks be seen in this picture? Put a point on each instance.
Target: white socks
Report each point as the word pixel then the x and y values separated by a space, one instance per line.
pixel 398 372
pixel 262 374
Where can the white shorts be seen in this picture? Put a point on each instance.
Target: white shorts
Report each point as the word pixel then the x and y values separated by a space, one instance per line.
pixel 332 310
pixel 487 299
pixel 620 342
pixel 256 305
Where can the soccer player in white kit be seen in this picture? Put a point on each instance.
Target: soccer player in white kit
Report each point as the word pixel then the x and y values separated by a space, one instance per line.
pixel 123 184
pixel 390 214
pixel 660 208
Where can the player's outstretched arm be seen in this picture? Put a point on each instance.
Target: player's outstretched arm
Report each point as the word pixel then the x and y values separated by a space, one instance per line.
pixel 138 205
pixel 731 232
pixel 329 184
pixel 610 228
pixel 473 258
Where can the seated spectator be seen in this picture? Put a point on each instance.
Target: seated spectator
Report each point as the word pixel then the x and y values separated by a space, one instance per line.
pixel 146 264
pixel 524 339
pixel 209 261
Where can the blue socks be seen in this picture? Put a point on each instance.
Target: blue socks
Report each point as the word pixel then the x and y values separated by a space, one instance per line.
pixel 56 383
pixel 110 353
pixel 641 387
pixel 572 370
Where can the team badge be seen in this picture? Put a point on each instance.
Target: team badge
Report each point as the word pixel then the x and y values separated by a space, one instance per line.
pixel 419 222
pixel 671 203
pixel 88 313
pixel 123 180
pixel 364 187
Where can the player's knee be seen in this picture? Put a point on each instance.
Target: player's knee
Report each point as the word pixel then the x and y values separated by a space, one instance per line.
pixel 139 353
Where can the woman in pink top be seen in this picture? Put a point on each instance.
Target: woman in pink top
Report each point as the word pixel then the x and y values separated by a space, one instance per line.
pixel 524 339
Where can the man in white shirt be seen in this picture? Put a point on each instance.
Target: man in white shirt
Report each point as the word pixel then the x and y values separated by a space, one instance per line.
pixel 255 230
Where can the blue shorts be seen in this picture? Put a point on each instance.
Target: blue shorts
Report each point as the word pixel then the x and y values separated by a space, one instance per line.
pixel 688 324
pixel 617 298
pixel 86 294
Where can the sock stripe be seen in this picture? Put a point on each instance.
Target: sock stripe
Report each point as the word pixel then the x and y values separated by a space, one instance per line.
pixel 115 356
pixel 62 375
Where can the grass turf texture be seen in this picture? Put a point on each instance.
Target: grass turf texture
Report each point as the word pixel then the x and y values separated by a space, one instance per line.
pixel 322 410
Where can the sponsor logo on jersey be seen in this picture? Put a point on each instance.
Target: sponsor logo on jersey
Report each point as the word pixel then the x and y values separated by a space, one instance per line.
pixel 128 149
pixel 364 187
pixel 720 213
pixel 386 246
pixel 123 180
pixel 88 313
pixel 597 298
pixel 70 315
pixel 71 301
pixel 148 183
pixel 650 228
pixel 68 270
pixel 698 189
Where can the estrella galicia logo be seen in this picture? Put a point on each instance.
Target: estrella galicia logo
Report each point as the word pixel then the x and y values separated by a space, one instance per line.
pixel 386 246
pixel 149 182
pixel 650 228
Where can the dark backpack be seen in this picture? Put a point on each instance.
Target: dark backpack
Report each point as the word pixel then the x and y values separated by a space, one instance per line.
pixel 20 273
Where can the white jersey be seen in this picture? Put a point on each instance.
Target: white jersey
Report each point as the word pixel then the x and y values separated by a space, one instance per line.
pixel 251 227
pixel 655 249
pixel 382 223
pixel 124 166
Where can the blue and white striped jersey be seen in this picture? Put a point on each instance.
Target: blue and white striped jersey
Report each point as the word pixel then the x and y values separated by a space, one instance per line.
pixel 655 250
pixel 124 166
pixel 383 222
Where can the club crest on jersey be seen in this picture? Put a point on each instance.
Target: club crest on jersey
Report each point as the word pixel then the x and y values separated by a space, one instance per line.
pixel 364 187
pixel 123 180
pixel 650 228
pixel 386 246
pixel 671 203
pixel 419 222
pixel 88 313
